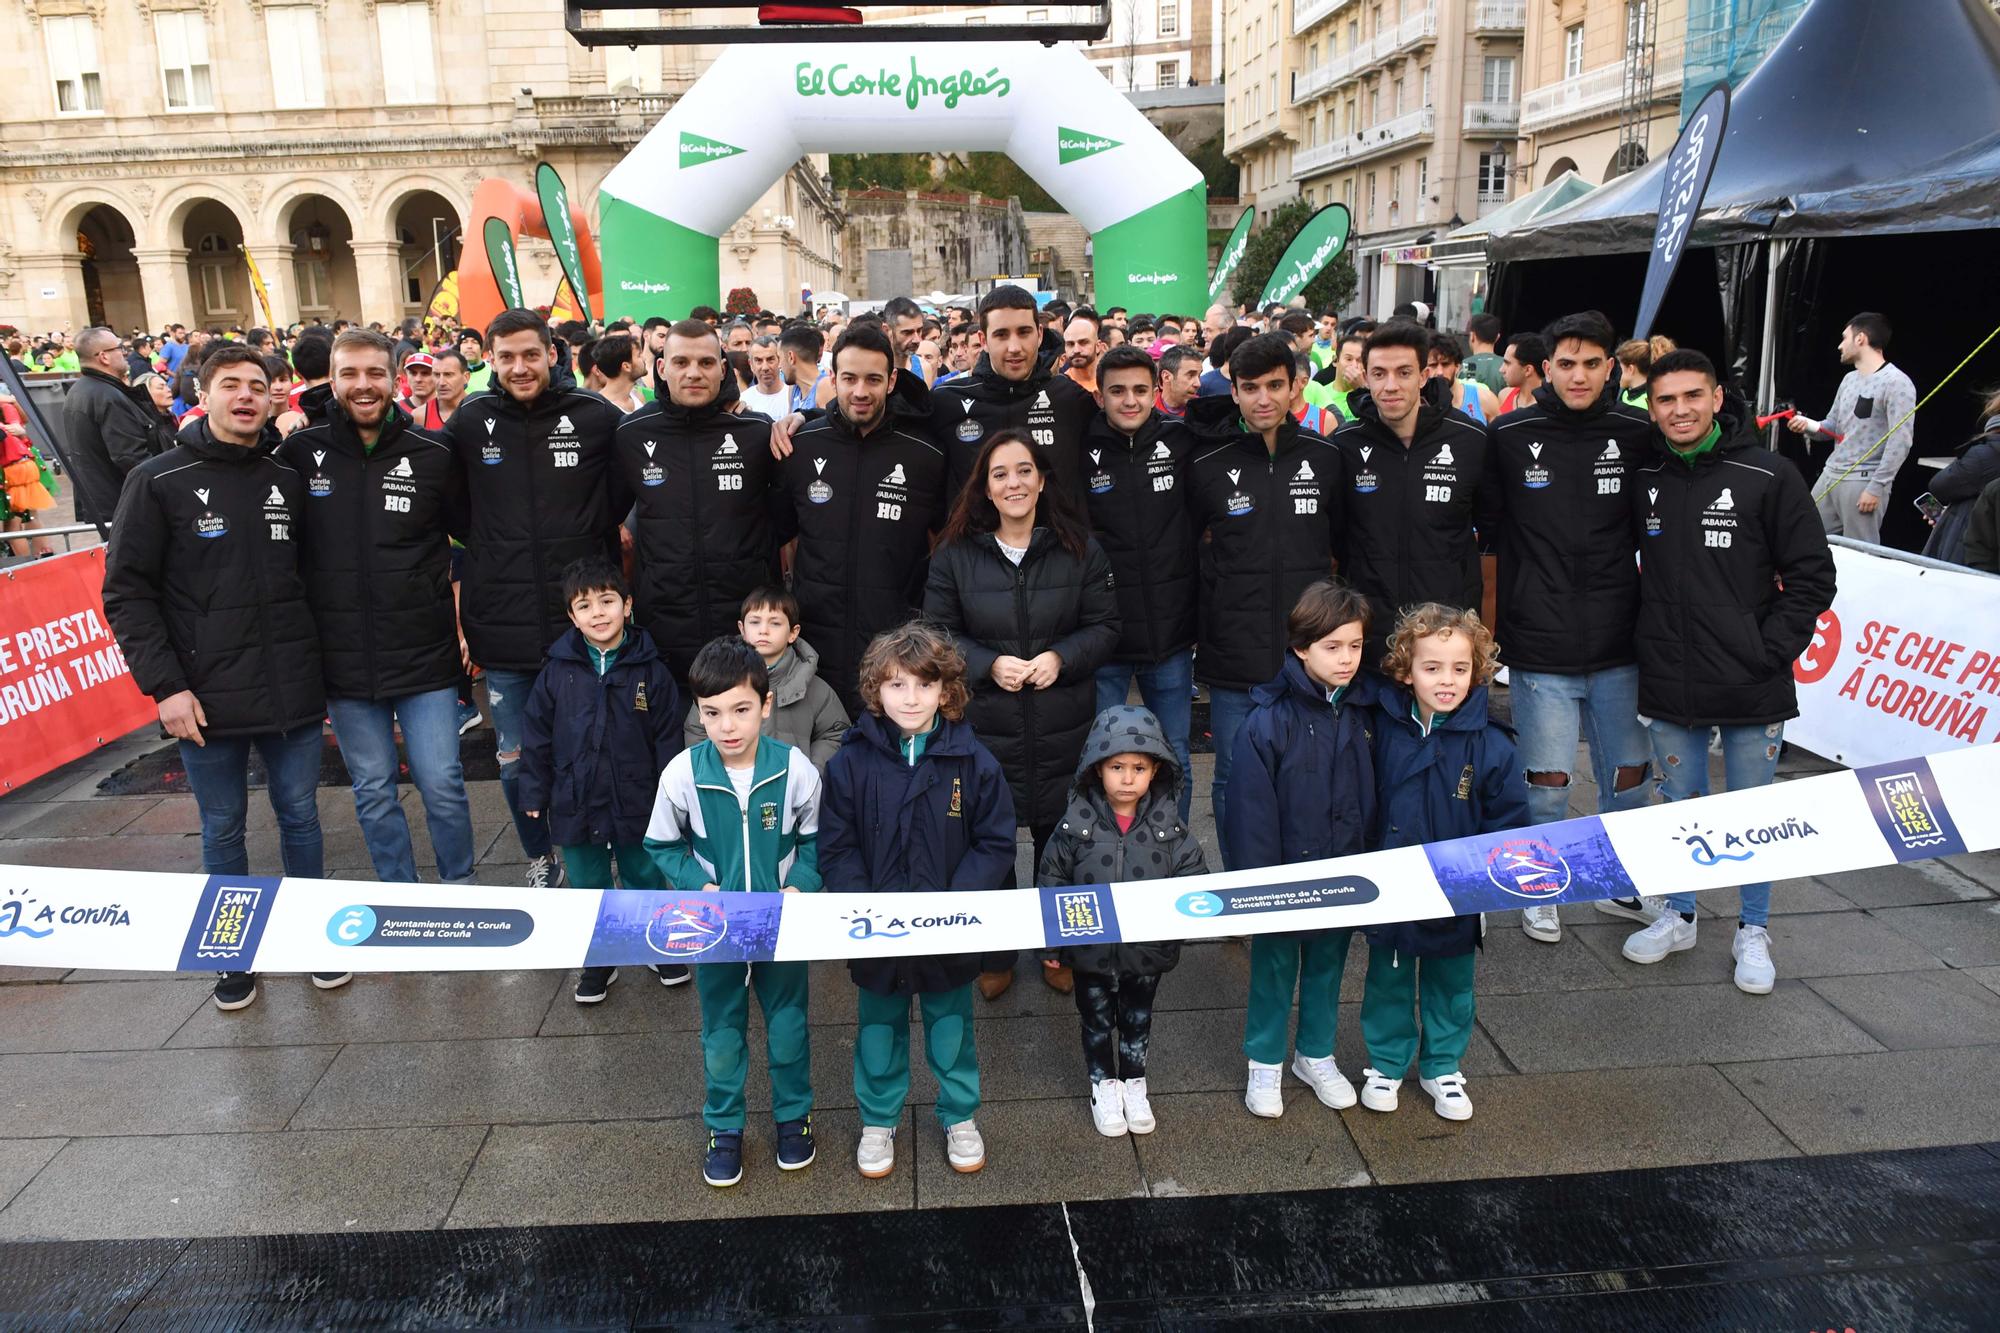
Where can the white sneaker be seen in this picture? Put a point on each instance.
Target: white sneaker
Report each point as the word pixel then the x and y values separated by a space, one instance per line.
pixel 1107 1107
pixel 1323 1076
pixel 963 1147
pixel 1670 934
pixel 1755 973
pixel 1643 910
pixel 1138 1111
pixel 1264 1096
pixel 1448 1095
pixel 876 1157
pixel 1378 1091
pixel 1542 923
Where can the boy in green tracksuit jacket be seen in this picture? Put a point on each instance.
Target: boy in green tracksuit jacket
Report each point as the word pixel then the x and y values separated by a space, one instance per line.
pixel 740 812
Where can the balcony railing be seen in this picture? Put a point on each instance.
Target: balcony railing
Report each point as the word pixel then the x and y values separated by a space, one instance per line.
pixel 1596 90
pixel 1492 117
pixel 1376 139
pixel 604 106
pixel 1415 30
pixel 1310 83
pixel 1500 15
pixel 1305 13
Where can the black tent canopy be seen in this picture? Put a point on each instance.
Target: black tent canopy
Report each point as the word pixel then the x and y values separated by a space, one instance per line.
pixel 1868 118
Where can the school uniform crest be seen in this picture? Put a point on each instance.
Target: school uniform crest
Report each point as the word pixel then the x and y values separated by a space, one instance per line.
pixel 956 810
pixel 639 698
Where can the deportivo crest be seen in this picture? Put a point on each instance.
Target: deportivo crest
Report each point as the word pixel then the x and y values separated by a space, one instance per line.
pixel 1723 502
pixel 1305 471
pixel 276 497
pixel 1160 450
pixel 1610 453
pixel 402 468
pixel 562 426
pixel 1444 455
pixel 1042 398
pixel 727 447
pixel 895 477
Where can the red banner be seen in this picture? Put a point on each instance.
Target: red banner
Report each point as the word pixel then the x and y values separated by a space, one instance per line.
pixel 64 685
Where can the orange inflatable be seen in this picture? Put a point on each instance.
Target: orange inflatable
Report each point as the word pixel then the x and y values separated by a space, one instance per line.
pixel 479 297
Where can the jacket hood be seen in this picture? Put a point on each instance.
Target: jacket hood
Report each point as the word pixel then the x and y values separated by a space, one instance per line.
pixel 1212 415
pixel 879 733
pixel 795 673
pixel 315 403
pixel 1552 402
pixel 1397 700
pixel 637 650
pixel 1127 729
pixel 562 373
pixel 987 384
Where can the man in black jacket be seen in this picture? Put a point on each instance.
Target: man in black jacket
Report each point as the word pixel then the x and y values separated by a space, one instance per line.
pixel 701 470
pixel 862 489
pixel 1413 468
pixel 109 427
pixel 1267 492
pixel 1559 474
pixel 1132 460
pixel 382 497
pixel 1015 384
pixel 202 588
pixel 1734 573
pixel 536 456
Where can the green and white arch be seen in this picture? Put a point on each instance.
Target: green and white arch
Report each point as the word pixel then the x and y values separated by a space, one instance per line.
pixel 759 108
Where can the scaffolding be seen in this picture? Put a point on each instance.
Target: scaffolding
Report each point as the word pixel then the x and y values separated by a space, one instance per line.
pixel 1635 102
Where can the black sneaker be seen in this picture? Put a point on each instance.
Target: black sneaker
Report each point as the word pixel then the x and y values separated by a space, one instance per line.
pixel 723 1166
pixel 235 990
pixel 331 980
pixel 795 1144
pixel 594 983
pixel 672 974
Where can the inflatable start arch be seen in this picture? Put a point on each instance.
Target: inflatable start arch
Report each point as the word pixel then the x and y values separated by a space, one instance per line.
pixel 759 108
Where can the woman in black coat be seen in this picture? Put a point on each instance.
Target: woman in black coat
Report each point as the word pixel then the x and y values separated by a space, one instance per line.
pixel 1958 486
pixel 1028 596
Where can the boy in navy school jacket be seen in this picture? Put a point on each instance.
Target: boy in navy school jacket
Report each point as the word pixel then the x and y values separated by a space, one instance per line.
pixel 600 725
pixel 1442 770
pixel 1302 789
pixel 915 802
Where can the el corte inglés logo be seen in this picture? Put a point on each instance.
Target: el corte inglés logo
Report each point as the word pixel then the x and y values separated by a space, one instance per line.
pixel 1074 145
pixel 695 149
pixel 844 80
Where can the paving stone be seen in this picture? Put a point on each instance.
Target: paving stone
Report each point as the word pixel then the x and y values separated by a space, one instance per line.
pixel 84 819
pixel 1212 974
pixel 1513 964
pixel 1035 1152
pixel 1633 1029
pixel 1789 897
pixel 138 1017
pixel 163 852
pixel 180 815
pixel 1814 944
pixel 650 1170
pixel 1555 1124
pixel 1909 884
pixel 20 1159
pixel 1895 1099
pixel 408 1006
pixel 637 1002
pixel 245 1184
pixel 1914 1010
pixel 29 976
pixel 1963 934
pixel 1307 1148
pixel 1988 977
pixel 505 1081
pixel 158 1092
pixel 1981 866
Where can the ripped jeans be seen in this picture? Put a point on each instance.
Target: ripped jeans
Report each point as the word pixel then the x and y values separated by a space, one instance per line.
pixel 1749 759
pixel 507 697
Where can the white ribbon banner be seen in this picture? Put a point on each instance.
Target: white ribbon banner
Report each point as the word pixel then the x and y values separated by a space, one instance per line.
pixel 1904 811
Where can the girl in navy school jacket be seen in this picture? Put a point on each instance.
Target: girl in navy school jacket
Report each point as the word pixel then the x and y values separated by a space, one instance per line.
pixel 1443 770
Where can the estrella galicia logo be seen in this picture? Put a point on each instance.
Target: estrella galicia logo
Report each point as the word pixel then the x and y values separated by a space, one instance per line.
pixel 684 927
pixel 1528 868
pixel 1337 891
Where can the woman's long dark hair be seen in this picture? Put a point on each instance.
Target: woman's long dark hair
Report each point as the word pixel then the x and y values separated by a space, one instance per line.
pixel 1056 510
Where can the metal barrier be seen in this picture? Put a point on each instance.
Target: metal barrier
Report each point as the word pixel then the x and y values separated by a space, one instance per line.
pixel 1907 557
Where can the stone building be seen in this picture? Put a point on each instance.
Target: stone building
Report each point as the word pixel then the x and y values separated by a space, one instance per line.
pixel 914 242
pixel 339 141
pixel 1150 43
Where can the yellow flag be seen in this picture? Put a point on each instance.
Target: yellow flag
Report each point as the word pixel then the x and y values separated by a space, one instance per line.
pixel 257 282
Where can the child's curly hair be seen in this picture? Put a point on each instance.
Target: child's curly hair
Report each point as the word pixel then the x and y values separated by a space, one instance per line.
pixel 926 652
pixel 1428 618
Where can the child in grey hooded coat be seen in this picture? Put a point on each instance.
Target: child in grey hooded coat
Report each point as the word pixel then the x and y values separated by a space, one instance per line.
pixel 1095 844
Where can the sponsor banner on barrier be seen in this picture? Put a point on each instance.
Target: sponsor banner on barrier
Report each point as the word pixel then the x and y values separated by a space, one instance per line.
pixel 64 685
pixel 1907 661
pixel 1902 811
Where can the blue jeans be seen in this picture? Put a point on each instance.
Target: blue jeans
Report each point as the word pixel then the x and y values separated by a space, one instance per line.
pixel 1551 712
pixel 219 776
pixel 1167 687
pixel 1226 711
pixel 366 732
pixel 1749 759
pixel 507 697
